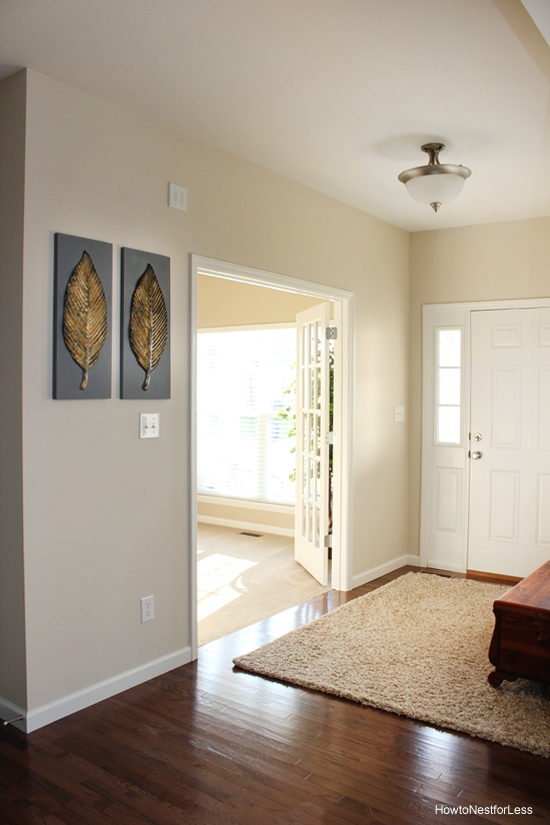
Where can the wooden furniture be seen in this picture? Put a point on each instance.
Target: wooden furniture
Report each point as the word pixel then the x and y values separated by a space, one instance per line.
pixel 521 639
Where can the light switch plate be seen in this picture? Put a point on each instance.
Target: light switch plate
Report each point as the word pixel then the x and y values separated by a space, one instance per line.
pixel 149 425
pixel 398 414
pixel 177 197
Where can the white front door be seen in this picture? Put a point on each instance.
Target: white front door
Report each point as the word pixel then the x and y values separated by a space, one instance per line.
pixel 509 523
pixel 312 416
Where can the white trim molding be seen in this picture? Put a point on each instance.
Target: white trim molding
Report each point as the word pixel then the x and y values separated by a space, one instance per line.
pixel 384 569
pixel 58 709
pixel 260 277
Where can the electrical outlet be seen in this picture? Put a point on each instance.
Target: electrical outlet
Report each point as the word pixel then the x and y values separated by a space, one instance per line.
pixel 147 609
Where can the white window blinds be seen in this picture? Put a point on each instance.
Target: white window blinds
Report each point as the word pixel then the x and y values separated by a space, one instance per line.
pixel 243 445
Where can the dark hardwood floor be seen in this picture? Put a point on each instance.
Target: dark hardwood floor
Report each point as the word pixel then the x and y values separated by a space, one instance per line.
pixel 210 745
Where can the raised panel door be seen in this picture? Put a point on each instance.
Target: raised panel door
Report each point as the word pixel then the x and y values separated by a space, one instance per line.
pixel 509 530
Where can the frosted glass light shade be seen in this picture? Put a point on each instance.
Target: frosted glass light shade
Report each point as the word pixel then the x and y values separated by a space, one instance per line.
pixel 439 186
pixel 437 182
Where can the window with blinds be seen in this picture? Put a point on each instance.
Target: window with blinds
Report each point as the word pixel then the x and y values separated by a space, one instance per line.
pixel 243 446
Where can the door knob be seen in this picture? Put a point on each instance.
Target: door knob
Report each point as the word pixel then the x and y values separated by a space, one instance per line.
pixel 476 455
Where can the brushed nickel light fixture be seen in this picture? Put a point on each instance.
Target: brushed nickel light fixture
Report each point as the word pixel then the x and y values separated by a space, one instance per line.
pixel 435 183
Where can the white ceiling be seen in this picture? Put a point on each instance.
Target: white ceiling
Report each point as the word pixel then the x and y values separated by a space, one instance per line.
pixel 336 94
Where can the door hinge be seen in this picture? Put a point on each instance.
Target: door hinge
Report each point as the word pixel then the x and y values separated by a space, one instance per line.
pixel 330 438
pixel 331 333
pixel 328 540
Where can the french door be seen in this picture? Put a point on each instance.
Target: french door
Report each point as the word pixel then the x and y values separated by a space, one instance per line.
pixel 312 421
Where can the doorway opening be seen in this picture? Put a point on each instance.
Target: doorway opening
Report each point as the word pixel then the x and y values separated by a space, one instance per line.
pixel 246 458
pixel 299 294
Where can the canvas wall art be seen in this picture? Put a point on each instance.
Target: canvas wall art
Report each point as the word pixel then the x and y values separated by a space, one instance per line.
pixel 82 318
pixel 145 325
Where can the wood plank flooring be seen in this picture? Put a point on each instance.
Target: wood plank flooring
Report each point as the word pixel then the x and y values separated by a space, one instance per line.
pixel 207 745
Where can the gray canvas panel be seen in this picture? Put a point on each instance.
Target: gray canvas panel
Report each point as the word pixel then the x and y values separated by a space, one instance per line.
pixel 134 264
pixel 67 375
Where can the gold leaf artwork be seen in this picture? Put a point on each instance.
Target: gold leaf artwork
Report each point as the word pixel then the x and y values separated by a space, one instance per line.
pixel 84 316
pixel 148 323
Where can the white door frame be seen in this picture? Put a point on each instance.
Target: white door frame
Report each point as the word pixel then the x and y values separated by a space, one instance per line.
pixel 344 309
pixel 462 312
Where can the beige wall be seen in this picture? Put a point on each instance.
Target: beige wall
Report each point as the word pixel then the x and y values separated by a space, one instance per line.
pixel 224 303
pixel 272 520
pixel 12 171
pixel 106 516
pixel 473 263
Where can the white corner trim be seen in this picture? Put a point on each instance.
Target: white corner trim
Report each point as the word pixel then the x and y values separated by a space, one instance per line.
pixel 247 525
pixel 383 569
pixel 44 715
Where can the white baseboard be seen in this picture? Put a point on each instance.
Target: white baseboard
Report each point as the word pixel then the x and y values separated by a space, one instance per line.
pixel 44 715
pixel 383 569
pixel 247 525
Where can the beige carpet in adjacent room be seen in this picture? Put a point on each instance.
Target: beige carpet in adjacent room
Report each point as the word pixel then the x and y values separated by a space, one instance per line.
pixel 244 579
pixel 418 647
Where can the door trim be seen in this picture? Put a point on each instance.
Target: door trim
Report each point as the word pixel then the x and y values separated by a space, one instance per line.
pixel 344 311
pixel 463 312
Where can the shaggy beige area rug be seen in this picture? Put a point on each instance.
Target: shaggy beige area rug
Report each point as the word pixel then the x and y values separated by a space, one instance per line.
pixel 417 646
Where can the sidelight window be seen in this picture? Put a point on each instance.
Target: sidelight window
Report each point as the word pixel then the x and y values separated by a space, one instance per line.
pixel 448 385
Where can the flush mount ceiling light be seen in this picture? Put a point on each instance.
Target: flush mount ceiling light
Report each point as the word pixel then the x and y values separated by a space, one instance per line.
pixel 437 182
